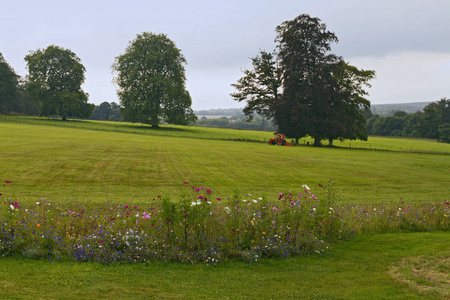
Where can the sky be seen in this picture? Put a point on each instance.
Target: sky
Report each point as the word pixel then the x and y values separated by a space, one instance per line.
pixel 405 41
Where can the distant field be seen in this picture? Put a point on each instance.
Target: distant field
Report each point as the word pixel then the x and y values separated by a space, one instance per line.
pixel 90 161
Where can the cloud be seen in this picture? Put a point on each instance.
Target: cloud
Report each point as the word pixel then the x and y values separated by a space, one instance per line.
pixel 407 76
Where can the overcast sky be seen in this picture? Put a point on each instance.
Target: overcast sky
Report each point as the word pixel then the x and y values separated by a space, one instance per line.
pixel 405 41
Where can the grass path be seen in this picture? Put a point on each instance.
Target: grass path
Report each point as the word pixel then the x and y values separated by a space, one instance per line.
pixel 359 269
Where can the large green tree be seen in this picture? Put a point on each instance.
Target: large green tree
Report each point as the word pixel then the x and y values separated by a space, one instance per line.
pixel 54 81
pixel 321 95
pixel 8 86
pixel 151 79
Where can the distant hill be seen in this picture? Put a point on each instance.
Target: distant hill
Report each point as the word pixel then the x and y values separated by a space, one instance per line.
pixel 377 109
pixel 384 110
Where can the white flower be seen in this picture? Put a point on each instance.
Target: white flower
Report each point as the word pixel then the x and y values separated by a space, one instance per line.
pixel 37 203
pixel 255 201
pixel 306 187
pixel 137 215
pixel 314 209
pixel 11 206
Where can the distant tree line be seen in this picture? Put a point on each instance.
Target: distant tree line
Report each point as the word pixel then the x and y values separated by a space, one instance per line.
pixel 433 122
pixel 237 122
pixel 107 112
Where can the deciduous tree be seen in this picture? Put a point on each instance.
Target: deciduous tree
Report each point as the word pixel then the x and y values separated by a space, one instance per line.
pixel 151 79
pixel 320 94
pixel 54 81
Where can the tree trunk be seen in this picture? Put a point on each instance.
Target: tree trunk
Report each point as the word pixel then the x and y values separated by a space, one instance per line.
pixel 317 142
pixel 64 118
pixel 330 142
pixel 155 126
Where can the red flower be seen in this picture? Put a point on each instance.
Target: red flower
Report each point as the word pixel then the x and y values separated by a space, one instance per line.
pixel 101 241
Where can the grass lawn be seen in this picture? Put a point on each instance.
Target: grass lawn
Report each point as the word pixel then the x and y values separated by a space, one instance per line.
pixel 62 163
pixel 369 267
pixel 126 163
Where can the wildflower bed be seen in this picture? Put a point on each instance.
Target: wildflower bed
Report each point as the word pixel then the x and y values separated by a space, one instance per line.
pixel 200 227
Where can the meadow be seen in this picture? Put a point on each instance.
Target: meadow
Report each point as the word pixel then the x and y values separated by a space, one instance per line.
pixel 225 208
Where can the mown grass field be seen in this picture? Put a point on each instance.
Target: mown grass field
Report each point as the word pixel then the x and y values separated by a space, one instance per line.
pixel 90 162
pixel 125 163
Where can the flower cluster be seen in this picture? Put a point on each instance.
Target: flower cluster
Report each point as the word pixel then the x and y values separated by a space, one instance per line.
pixel 200 227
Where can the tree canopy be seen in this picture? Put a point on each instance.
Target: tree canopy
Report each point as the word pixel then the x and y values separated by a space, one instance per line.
pixel 151 79
pixel 8 86
pixel 54 81
pixel 318 93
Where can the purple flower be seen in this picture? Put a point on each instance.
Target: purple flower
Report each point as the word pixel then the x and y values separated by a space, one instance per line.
pixel 208 191
pixel 185 182
pixel 200 197
pixel 281 196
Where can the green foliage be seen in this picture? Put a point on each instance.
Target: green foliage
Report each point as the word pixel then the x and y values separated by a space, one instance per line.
pixel 151 79
pixel 106 112
pixel 55 78
pixel 260 87
pixel 8 86
pixel 427 124
pixel 444 132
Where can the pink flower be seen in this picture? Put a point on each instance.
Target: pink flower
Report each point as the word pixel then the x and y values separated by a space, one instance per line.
pixel 274 208
pixel 200 197
pixel 185 182
pixel 7 181
pixel 281 196
pixel 197 190
pixel 218 199
pixel 320 185
pixel 208 191
pixel 101 241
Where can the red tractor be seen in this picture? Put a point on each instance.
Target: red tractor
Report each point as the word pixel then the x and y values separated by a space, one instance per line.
pixel 280 140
